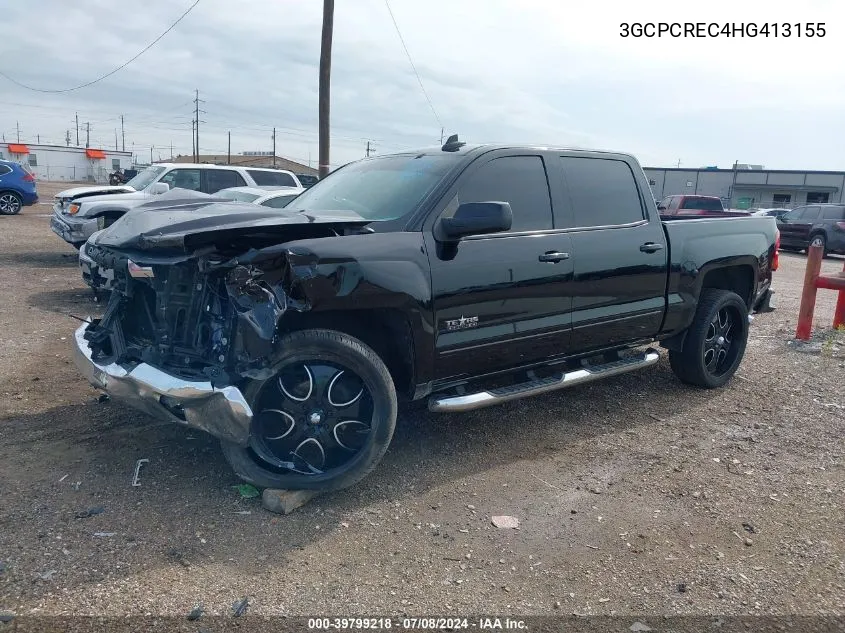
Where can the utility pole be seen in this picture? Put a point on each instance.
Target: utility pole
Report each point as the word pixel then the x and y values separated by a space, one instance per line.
pixel 67 138
pixel 38 136
pixel 151 155
pixel 441 136
pixel 77 129
pixel 87 134
pixel 274 147
pixel 18 128
pixel 193 141
pixel 197 111
pixel 171 150
pixel 122 135
pixel 325 85
pixel 115 139
pixel 229 150
pixel 369 149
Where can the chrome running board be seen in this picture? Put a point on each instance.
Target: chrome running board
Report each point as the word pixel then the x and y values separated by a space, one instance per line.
pixel 468 402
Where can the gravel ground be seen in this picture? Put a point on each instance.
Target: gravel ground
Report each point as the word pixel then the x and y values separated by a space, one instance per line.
pixel 634 495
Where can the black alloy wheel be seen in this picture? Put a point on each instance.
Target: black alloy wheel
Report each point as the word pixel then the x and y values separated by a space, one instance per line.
pixel 323 420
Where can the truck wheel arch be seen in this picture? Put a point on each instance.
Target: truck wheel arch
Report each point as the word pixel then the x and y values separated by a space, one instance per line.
pixel 736 277
pixel 379 329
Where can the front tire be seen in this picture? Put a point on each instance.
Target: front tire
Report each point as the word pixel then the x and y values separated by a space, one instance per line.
pixel 715 342
pixel 323 421
pixel 10 203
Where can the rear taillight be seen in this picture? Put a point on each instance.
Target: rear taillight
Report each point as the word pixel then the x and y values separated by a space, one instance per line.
pixel 776 256
pixel 28 178
pixel 840 226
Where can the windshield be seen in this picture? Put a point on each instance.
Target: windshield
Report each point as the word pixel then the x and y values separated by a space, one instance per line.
pixel 145 178
pixel 279 202
pixel 239 196
pixel 383 188
pixel 703 204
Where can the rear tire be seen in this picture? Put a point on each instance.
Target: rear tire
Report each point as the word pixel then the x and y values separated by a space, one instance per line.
pixel 818 239
pixel 10 203
pixel 715 342
pixel 313 419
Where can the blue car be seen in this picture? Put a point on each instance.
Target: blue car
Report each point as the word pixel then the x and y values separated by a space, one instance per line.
pixel 17 188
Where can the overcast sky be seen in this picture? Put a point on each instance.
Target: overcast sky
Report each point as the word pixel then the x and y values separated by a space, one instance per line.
pixel 496 71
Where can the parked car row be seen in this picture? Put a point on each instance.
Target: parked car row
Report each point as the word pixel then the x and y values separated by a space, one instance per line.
pixel 467 275
pixel 80 211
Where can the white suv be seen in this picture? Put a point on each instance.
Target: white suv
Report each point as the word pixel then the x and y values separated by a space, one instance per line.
pixel 78 212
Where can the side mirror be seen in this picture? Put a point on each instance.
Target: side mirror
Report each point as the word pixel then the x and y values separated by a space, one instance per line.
pixel 158 188
pixel 476 218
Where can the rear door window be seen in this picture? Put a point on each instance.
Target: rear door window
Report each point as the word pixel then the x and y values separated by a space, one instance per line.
pixel 271 178
pixel 217 179
pixel 603 191
pixel 834 213
pixel 518 180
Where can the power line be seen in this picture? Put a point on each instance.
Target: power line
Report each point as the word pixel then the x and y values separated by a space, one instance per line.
pixel 121 67
pixel 401 39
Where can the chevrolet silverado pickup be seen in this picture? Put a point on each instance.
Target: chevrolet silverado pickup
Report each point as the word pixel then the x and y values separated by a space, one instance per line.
pixel 468 275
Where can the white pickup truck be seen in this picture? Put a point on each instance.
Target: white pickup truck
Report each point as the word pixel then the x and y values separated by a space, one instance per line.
pixel 79 212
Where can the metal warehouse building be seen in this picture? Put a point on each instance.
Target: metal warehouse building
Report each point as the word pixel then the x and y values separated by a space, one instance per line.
pixel 57 162
pixel 749 186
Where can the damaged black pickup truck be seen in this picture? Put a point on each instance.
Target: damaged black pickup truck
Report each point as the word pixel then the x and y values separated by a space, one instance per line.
pixel 466 275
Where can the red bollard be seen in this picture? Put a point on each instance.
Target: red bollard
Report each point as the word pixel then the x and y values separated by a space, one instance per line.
pixel 839 312
pixel 808 294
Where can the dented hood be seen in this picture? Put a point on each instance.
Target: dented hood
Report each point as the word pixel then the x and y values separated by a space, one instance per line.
pixel 186 226
pixel 93 190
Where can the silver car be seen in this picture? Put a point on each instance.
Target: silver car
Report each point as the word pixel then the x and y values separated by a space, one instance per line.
pixel 275 197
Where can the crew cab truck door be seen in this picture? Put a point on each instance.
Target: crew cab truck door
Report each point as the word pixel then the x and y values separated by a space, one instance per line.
pixel 500 300
pixel 620 252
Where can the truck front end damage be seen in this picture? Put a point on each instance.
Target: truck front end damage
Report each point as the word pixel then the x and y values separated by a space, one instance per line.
pixel 184 332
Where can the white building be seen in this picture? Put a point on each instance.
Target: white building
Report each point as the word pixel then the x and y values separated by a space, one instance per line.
pixel 57 162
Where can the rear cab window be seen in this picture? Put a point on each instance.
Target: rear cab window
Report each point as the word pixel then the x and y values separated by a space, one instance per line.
pixel 271 178
pixel 703 204
pixel 603 191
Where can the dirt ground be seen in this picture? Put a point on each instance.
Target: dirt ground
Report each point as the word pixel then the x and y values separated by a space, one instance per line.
pixel 634 495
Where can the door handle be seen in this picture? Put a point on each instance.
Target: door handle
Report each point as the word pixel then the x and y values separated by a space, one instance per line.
pixel 553 256
pixel 651 247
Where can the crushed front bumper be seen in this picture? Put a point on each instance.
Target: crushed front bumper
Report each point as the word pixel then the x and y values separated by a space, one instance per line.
pixel 72 231
pixel 223 413
pixel 96 276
